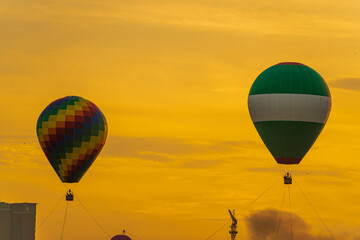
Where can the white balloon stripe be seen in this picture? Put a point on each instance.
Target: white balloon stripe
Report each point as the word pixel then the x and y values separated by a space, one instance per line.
pixel 289 107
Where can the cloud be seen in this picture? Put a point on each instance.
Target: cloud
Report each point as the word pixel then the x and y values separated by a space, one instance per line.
pixel 169 208
pixel 127 146
pixel 192 153
pixel 263 225
pixel 25 151
pixel 21 151
pixel 346 83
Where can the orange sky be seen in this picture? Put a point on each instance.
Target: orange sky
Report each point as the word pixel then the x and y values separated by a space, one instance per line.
pixel 172 79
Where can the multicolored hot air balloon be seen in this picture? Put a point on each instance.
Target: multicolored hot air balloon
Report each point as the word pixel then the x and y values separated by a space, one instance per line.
pixel 289 104
pixel 71 131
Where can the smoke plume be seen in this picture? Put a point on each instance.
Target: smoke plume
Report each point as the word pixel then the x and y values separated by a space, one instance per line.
pixel 265 225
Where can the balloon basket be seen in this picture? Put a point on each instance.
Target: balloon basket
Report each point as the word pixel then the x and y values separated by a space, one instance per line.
pixel 69 196
pixel 287 178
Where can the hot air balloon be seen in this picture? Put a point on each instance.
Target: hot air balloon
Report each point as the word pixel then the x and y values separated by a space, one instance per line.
pixel 71 131
pixel 289 104
pixel 121 237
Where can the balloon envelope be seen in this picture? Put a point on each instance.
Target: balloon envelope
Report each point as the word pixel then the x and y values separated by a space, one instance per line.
pixel 289 104
pixel 71 131
pixel 121 237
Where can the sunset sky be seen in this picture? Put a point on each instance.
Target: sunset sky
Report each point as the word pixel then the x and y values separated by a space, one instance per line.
pixel 172 79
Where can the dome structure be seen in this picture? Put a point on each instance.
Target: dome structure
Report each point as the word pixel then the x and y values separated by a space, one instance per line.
pixel 120 237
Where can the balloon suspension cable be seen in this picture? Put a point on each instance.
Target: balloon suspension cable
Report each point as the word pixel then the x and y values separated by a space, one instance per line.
pixel 67 186
pixel 132 235
pixel 251 203
pixel 97 223
pixel 291 231
pixel 282 207
pixel 313 208
pixel 280 167
pixel 298 166
pixel 212 235
pixel 266 190
pixel 45 219
pixel 63 227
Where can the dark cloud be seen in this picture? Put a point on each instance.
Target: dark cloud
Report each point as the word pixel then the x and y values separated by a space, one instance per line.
pixel 346 83
pixel 263 225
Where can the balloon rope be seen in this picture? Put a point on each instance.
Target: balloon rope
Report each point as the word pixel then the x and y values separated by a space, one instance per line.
pixel 97 223
pixel 52 210
pixel 133 235
pixel 291 232
pixel 281 168
pixel 332 236
pixel 282 207
pixel 218 230
pixel 298 166
pixel 63 227
pixel 47 216
pixel 251 203
pixel 266 190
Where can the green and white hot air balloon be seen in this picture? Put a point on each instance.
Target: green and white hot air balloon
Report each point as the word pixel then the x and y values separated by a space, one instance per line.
pixel 289 104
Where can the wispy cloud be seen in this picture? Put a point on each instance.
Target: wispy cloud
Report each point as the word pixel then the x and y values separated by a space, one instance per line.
pixel 25 151
pixel 125 146
pixel 21 151
pixel 169 208
pixel 229 15
pixel 192 153
pixel 346 83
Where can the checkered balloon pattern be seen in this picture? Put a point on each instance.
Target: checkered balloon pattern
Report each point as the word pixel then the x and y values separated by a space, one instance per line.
pixel 71 131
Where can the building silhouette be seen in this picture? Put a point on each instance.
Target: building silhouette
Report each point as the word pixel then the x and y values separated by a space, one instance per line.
pixel 17 221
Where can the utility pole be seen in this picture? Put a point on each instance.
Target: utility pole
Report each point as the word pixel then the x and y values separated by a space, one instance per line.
pixel 233 226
